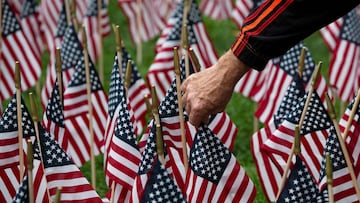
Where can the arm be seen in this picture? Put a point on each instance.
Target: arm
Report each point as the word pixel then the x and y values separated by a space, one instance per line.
pixel 269 31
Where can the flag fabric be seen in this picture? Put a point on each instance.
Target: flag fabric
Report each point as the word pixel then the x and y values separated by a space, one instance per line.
pixel 53 118
pixel 31 23
pixel 60 171
pixel 161 71
pixel 9 147
pixel 214 173
pixel 345 61
pixel 16 6
pixel 76 113
pixel 124 155
pixel 136 93
pixel 15 47
pixel 71 52
pixel 145 187
pixel 330 33
pixel 218 9
pixel 150 22
pixel 313 134
pixel 165 7
pixel 242 9
pixel 9 142
pixel 91 23
pixel 352 138
pixel 343 188
pixel 300 186
pixel 39 185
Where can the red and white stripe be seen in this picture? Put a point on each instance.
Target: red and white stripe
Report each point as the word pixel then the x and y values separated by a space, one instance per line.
pixel 39 183
pixel 241 11
pixel 239 187
pixel 9 149
pixel 15 47
pixel 9 182
pixel 151 22
pixel 330 33
pixel 217 9
pixel 60 134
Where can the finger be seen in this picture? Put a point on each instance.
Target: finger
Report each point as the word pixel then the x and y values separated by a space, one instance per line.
pixel 205 120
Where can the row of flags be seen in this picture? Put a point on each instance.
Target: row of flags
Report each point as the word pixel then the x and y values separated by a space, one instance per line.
pixel 118 119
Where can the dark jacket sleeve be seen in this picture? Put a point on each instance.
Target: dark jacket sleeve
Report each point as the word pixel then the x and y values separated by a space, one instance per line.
pixel 277 25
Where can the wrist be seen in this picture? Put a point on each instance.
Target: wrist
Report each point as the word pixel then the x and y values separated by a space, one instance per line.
pixel 233 67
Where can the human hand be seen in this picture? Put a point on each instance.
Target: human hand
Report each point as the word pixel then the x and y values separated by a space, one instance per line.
pixel 208 92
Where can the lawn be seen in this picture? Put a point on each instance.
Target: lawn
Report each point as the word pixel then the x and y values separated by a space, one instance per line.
pixel 240 109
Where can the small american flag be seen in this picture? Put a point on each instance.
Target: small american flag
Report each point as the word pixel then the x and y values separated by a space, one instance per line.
pixel 242 9
pixel 344 190
pixel 216 9
pixel 53 119
pixel 314 132
pixel 151 22
pixel 300 186
pixel 76 113
pixel 60 171
pixel 330 33
pixel 92 27
pixel 344 71
pixel 214 173
pixel 352 140
pixel 71 52
pixel 15 47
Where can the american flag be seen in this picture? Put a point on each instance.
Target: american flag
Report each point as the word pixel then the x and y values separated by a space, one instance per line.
pixel 136 92
pixel 39 185
pixel 345 61
pixel 15 47
pixel 268 169
pixel 151 22
pixel 216 9
pixel 71 52
pixel 61 171
pixel 282 73
pixel 31 23
pixel 161 71
pixel 300 186
pixel 53 118
pixel 147 173
pixel 9 150
pixel 166 7
pixel 9 147
pixel 124 155
pixel 344 190
pixel 352 138
pixel 91 23
pixel 313 132
pixel 214 173
pixel 76 113
pixel 16 6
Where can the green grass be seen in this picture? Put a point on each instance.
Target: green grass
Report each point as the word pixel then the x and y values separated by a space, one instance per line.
pixel 240 109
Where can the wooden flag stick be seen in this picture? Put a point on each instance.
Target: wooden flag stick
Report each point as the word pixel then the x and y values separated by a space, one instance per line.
pixel 295 147
pixel 88 90
pixel 119 46
pixel 194 59
pixel 301 63
pixel 59 73
pixel 128 73
pixel 112 192
pixel 73 15
pixel 101 54
pixel 30 166
pixel 302 118
pixel 351 116
pixel 329 177
pixel 19 118
pixel 349 164
pixel 58 195
pixel 139 30
pixel 68 12
pixel 180 107
pixel 185 45
pixel 35 118
pixel 160 144
pixel 154 105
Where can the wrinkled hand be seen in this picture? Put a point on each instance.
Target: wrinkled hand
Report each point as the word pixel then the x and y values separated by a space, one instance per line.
pixel 208 92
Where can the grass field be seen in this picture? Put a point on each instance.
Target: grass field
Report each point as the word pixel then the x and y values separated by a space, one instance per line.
pixel 240 108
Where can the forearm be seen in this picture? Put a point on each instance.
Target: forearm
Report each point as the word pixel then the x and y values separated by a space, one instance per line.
pixel 277 25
